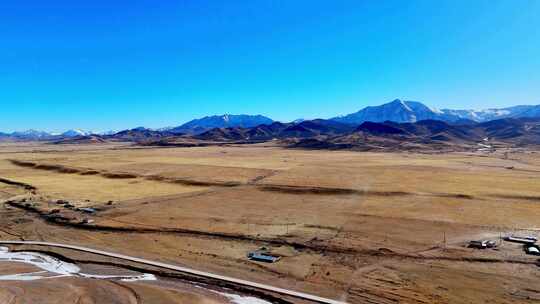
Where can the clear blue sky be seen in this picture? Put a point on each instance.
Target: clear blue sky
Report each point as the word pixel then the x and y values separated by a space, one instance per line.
pixel 118 64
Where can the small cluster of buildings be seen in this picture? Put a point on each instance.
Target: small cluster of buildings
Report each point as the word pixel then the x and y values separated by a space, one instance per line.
pixel 529 243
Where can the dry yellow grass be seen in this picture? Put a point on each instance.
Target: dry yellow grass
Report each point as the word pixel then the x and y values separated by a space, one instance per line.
pixel 357 226
pixel 91 187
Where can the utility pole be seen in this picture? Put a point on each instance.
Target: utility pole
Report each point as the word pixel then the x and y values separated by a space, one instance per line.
pixel 444 239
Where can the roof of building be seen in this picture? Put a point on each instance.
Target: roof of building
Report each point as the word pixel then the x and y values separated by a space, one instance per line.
pixel 263 256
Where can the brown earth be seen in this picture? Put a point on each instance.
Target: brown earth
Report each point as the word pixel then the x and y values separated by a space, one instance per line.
pixel 356 226
pixel 87 291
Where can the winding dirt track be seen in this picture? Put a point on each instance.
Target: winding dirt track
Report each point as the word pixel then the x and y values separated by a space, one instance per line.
pixel 287 292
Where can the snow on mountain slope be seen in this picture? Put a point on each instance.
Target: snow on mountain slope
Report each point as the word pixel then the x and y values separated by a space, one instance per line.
pixel 75 133
pixel 397 111
pixel 493 113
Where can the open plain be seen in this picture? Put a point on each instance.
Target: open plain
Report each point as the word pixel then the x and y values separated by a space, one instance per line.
pixel 358 227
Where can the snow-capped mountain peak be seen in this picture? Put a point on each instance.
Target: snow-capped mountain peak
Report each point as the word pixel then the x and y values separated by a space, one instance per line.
pixel 412 111
pixel 397 110
pixel 75 133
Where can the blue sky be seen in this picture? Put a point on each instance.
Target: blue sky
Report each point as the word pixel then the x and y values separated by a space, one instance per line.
pixel 102 65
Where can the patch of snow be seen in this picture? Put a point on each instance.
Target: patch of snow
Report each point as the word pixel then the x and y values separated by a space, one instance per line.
pixel 496 112
pixel 76 132
pixel 143 277
pixel 31 133
pixel 238 299
pixel 125 278
pixel 31 276
pixel 41 261
pixel 47 263
pixel 435 110
pixel 52 265
pixel 234 298
pixel 405 106
pixel 110 132
pixel 164 129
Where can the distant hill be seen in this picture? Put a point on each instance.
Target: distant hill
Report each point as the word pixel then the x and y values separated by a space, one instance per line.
pixel 224 134
pixel 317 127
pixel 139 134
pixel 378 128
pixel 86 139
pixel 277 130
pixel 198 126
pixel 267 132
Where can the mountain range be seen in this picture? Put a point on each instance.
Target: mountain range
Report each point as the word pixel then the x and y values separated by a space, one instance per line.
pixel 42 135
pixel 412 111
pixel 375 121
pixel 421 135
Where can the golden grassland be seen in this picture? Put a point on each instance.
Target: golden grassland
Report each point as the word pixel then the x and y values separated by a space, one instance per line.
pixel 380 227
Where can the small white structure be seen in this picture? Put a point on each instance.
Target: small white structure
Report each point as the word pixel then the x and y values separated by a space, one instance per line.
pixel 521 239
